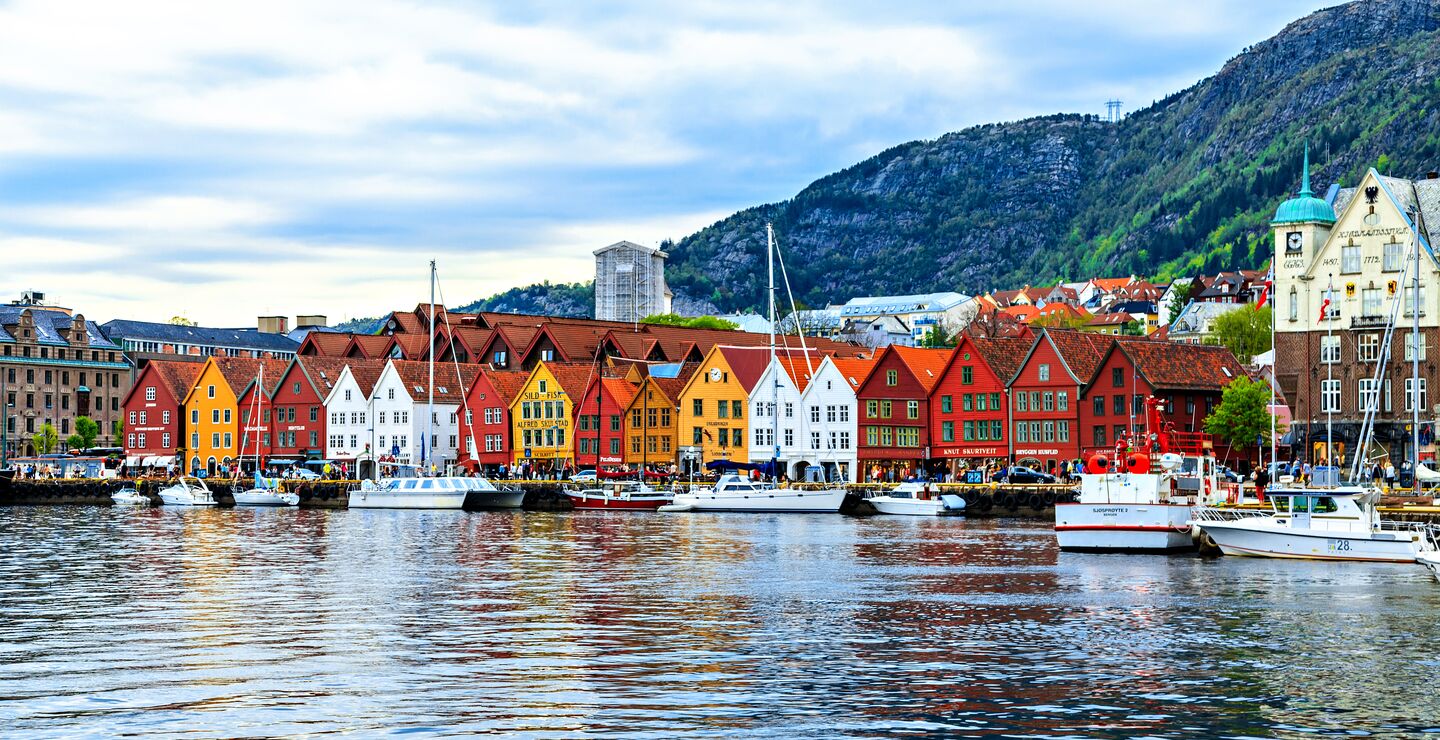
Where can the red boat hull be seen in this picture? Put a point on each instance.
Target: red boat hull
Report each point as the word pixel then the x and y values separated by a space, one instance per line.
pixel 617 504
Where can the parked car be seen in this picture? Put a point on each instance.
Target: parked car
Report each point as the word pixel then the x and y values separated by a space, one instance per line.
pixel 584 476
pixel 1023 474
pixel 1230 476
pixel 304 473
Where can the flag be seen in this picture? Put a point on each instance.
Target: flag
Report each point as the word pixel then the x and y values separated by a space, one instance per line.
pixel 1265 290
pixel 1325 306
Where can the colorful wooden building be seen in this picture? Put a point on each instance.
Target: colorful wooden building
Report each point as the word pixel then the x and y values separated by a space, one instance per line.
pixel 969 407
pixel 542 416
pixel 1046 393
pixel 713 417
pixel 894 405
pixel 154 419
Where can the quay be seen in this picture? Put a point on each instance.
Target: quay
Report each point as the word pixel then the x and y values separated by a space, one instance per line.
pixel 981 500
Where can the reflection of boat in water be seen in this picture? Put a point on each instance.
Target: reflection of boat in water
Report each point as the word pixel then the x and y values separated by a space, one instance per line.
pixel 187 491
pixel 1340 523
pixel 1137 501
pixel 914 498
pixel 734 493
pixel 129 497
pixel 627 496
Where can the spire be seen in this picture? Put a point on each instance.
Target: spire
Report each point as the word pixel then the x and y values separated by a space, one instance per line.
pixel 1305 191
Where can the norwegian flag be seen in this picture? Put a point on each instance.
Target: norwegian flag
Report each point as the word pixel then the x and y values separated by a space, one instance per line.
pixel 1265 291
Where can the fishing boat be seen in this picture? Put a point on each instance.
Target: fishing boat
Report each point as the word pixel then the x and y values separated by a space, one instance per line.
pixel 1339 523
pixel 626 496
pixel 916 499
pixel 129 497
pixel 1138 501
pixel 187 491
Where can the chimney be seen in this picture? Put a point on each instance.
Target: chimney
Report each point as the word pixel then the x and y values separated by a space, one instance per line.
pixel 272 324
pixel 310 320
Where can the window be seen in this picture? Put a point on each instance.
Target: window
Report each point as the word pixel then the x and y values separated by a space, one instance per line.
pixel 1349 259
pixel 1044 373
pixel 814 440
pixel 165 440
pixel 1415 396
pixel 789 410
pixel 1021 432
pixel 997 430
pixel 872 409
pixel 1410 300
pixel 872 437
pixel 1368 347
pixel 737 410
pixel 1097 435
pixel 210 392
pixel 1370 302
pixel 887 409
pixel 142 439
pixel 831 414
pixel 1330 395
pixel 149 392
pixel 698 407
pixel 214 416
pixel 967 429
pixel 347 395
pixel 967 375
pixel 165 416
pixel 143 420
pixel 614 422
pixel 1394 256
pixel 315 439
pixel 1062 401
pixel 1369 394
pixel 995 401
pixel 1049 400
pixel 1329 350
pixel 907 436
pixel 1414 347
pixel 1294 306
pixel 887 436
pixel 947 431
pixel 698 436
pixel 967 402
pixel 722 409
pixel 815 414
pixel 1117 377
pixel 1034 400
pixel 945 404
pixel 614 445
pixel 1099 402
pixel 789 437
pixel 892 377
pixel 215 439
pixel 1021 402
pixel 1049 431
pixel 1120 406
pixel 315 414
pixel 844 413
pixel 738 435
pixel 132 418
pixel 912 409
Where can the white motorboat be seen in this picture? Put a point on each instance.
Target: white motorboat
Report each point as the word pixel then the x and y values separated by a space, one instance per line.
pixel 916 499
pixel 266 494
pixel 1339 523
pixel 410 493
pixel 129 497
pixel 734 493
pixel 187 491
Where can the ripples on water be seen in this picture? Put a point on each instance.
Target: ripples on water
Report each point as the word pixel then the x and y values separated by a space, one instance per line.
pixel 225 623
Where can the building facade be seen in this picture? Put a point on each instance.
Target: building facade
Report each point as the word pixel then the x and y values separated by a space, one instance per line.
pixel 970 405
pixel 894 412
pixel 1046 395
pixel 154 418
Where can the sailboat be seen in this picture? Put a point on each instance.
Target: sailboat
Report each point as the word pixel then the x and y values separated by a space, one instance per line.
pixel 263 493
pixel 412 487
pixel 735 493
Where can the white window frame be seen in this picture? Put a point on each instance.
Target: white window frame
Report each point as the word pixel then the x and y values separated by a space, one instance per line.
pixel 1329 396
pixel 1329 350
pixel 1410 393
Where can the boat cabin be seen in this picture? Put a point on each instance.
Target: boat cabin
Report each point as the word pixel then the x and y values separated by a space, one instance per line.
pixel 1342 509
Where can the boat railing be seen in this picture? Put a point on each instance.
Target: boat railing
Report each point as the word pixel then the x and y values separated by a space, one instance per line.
pixel 1424 529
pixel 1216 514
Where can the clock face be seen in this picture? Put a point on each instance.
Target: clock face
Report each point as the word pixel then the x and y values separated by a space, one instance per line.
pixel 715 375
pixel 1293 241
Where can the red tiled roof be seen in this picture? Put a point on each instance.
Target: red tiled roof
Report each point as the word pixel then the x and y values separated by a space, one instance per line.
pixel 1004 355
pixel 1110 284
pixel 1023 312
pixel 366 373
pixel 927 365
pixel 748 363
pixel 507 383
pixel 620 389
pixel 1110 319
pixel 177 376
pixel 373 345
pixel 325 344
pixel 1172 365
pixel 240 372
pixel 572 377
pixel 451 380
pixel 1081 351
pixel 854 369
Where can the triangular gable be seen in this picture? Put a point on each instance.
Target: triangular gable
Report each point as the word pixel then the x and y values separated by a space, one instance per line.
pixel 1371 176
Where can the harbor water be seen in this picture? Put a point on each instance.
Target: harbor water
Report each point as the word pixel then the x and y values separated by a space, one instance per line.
pixel 265 623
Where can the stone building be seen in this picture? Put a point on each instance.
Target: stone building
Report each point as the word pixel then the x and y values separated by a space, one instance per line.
pixel 630 282
pixel 55 367
pixel 1350 255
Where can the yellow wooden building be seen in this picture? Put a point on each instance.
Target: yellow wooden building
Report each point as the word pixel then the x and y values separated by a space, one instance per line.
pixel 652 430
pixel 542 415
pixel 714 403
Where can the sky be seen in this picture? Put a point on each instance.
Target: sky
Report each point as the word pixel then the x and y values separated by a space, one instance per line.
pixel 221 160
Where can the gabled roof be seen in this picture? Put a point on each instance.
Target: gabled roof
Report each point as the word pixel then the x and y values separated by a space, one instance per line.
pixel 620 389
pixel 1110 319
pixel 449 387
pixel 854 369
pixel 507 383
pixel 177 377
pixel 673 387
pixel 1079 351
pixel 321 372
pixel 325 344
pixel 366 373
pixel 927 365
pixel 152 331
pixel 572 377
pixel 241 372
pixel 1003 354
pixel 1110 284
pixel 372 346
pixel 747 363
pixel 1176 366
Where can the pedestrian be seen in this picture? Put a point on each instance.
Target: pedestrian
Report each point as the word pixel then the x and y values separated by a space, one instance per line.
pixel 1389 474
pixel 1262 481
pixel 1305 473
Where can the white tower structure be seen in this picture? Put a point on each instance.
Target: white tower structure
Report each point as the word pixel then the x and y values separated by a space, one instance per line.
pixel 630 282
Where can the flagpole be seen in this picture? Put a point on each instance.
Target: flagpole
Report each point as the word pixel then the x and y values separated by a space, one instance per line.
pixel 1274 361
pixel 1329 375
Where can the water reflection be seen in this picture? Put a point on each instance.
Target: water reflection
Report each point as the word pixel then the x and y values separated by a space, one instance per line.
pixel 274 622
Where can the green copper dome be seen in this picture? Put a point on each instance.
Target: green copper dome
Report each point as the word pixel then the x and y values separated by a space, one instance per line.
pixel 1304 208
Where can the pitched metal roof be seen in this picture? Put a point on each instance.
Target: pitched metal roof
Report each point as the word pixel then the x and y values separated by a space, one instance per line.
pixel 51 326
pixel 151 331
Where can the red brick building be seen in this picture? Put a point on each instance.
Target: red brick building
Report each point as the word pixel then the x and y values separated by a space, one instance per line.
pixel 1190 378
pixel 487 422
pixel 1046 393
pixel 969 406
pixel 894 406
pixel 154 421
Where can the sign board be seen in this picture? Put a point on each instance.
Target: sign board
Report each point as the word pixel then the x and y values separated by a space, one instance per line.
pixel 527 452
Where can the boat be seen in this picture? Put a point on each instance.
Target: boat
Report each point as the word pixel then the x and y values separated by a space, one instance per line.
pixel 440 492
pixel 626 496
pixel 187 490
pixel 1337 523
pixel 486 495
pixel 265 493
pixel 914 498
pixel 735 493
pixel 1138 501
pixel 1430 558
pixel 129 497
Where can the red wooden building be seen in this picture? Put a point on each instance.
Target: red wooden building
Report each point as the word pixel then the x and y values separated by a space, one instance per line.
pixel 1046 395
pixel 894 406
pixel 600 431
pixel 1190 378
pixel 488 421
pixel 154 420
pixel 969 426
pixel 296 427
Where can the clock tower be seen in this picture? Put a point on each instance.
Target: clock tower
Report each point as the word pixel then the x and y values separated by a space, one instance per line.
pixel 1300 228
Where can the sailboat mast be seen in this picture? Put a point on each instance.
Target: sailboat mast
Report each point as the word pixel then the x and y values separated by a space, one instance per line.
pixel 430 387
pixel 774 365
pixel 1415 363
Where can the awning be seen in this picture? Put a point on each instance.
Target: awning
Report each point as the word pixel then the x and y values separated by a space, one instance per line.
pixel 157 461
pixel 133 461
